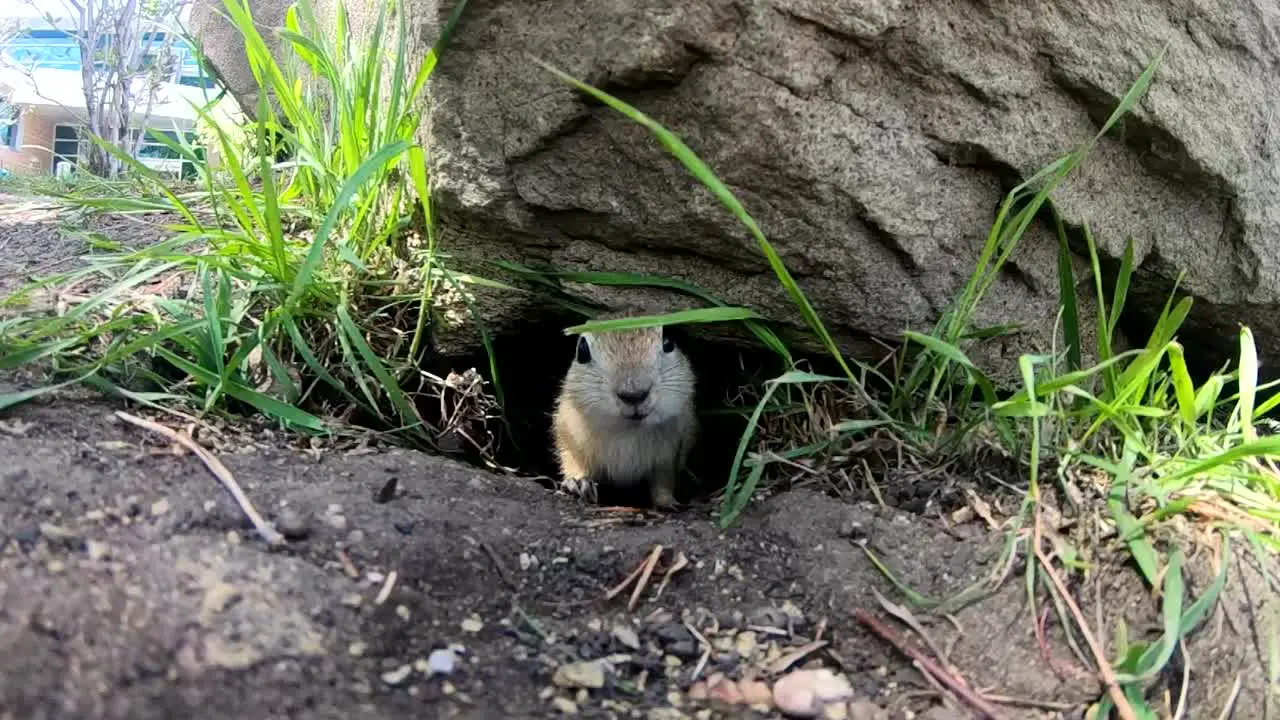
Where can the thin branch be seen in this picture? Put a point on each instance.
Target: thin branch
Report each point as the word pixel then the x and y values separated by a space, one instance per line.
pixel 264 528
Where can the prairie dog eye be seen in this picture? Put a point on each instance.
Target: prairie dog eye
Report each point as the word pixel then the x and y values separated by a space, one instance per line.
pixel 584 351
pixel 668 345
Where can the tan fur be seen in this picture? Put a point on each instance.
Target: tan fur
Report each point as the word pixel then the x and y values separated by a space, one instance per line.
pixel 595 439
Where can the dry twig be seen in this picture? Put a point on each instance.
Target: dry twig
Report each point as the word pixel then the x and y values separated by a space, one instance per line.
pixel 953 683
pixel 1104 667
pixel 264 528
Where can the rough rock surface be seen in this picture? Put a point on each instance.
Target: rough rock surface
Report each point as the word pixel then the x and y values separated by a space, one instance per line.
pixel 872 141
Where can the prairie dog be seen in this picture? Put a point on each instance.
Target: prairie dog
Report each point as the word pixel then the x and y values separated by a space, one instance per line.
pixel 625 413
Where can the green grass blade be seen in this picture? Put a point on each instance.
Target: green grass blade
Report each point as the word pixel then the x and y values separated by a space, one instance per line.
pixel 698 315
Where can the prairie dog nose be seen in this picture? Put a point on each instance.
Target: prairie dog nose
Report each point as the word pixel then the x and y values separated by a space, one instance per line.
pixel 633 396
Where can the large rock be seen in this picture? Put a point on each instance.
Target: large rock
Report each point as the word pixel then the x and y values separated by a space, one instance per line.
pixel 872 141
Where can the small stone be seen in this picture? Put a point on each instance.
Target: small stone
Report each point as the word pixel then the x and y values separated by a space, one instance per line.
pixel 441 662
pixel 745 643
pixel 850 527
pixel 588 674
pixel 673 633
pixel 97 550
pixel 356 649
pixel 293 524
pixel 672 661
pixel 528 561
pixel 658 618
pixel 387 492
pixel 402 612
pixel 404 527
pixel 564 705
pixel 59 535
pixel 767 616
pixel 803 693
pixel 472 624
pixel 756 693
pixel 337 522
pixel 397 676
pixel 683 648
pixel 626 636
pixel 355 537
pixel 724 690
pixel 56 567
pixel 353 600
pixel 793 612
pixel 447 688
pixel 159 507
pixel 835 711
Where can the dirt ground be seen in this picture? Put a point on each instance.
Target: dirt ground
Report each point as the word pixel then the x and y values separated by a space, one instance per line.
pixel 131 585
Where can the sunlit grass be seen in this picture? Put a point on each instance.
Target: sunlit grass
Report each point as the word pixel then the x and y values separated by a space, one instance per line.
pixel 286 269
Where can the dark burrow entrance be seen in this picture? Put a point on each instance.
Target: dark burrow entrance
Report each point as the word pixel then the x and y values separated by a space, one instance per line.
pixel 531 363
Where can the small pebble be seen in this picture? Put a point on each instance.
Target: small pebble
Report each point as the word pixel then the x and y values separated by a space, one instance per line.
pixel 673 633
pixel 397 676
pixel 564 705
pixel 835 711
pixel 755 692
pixel 850 527
pixel 472 625
pixel 724 690
pixel 293 524
pixel 353 600
pixel 160 507
pixel 404 527
pixel 356 649
pixel 803 693
pixel 441 662
pixel 745 643
pixel 683 648
pixel 628 637
pixel 97 550
pixel 387 492
pixel 588 674
pixel 402 612
pixel 27 536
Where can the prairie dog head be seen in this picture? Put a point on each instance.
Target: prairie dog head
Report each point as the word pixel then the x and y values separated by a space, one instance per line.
pixel 629 377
